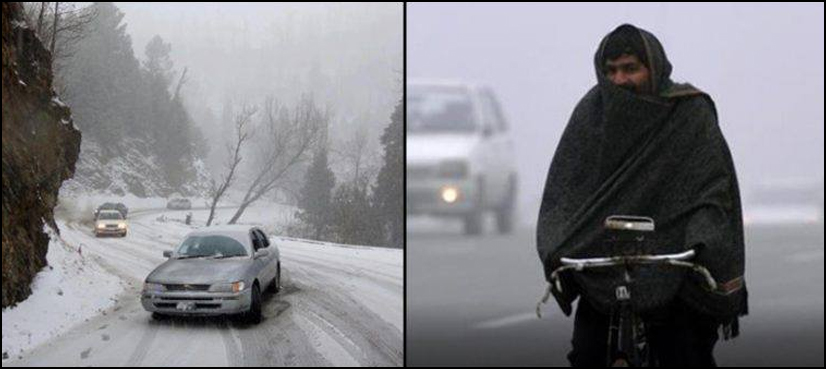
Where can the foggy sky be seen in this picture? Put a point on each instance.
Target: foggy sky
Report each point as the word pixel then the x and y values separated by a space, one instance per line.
pixel 761 63
pixel 347 56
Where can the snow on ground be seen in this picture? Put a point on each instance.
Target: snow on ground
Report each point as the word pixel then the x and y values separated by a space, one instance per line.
pixel 369 273
pixel 71 289
pixel 340 304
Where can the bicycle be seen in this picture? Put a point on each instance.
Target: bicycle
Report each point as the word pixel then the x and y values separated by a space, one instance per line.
pixel 627 344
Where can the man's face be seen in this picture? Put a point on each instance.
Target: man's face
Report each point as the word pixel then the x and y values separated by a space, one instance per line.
pixel 628 72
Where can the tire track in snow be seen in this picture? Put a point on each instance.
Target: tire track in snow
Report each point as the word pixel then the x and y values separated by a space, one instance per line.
pixel 142 348
pixel 380 342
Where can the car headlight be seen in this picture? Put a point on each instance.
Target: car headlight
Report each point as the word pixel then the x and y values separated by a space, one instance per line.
pixel 449 194
pixel 453 169
pixel 121 225
pixel 101 226
pixel 153 287
pixel 228 287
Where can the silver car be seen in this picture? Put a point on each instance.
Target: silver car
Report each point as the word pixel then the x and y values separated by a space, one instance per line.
pixel 215 271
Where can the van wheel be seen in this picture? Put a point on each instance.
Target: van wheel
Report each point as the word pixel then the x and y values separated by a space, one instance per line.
pixel 504 214
pixel 473 220
pixel 473 224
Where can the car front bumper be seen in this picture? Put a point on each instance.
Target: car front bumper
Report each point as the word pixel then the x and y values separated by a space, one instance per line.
pixel 110 231
pixel 197 303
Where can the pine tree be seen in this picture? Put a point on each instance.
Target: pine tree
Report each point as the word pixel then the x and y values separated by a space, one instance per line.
pixel 355 220
pixel 171 125
pixel 389 190
pixel 314 198
pixel 122 105
pixel 102 78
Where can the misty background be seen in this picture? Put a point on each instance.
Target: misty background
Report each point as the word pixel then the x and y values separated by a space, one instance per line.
pixel 761 63
pixel 289 103
pixel 347 56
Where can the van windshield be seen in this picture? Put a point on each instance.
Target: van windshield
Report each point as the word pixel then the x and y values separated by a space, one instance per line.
pixel 439 109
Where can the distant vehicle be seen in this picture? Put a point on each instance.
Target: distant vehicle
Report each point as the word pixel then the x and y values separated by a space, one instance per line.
pixel 460 158
pixel 215 271
pixel 784 203
pixel 179 204
pixel 119 207
pixel 110 223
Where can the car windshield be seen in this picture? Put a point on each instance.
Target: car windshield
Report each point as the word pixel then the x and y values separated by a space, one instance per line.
pixel 439 109
pixel 210 246
pixel 110 216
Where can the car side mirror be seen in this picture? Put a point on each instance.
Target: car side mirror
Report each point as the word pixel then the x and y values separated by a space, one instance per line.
pixel 167 254
pixel 262 254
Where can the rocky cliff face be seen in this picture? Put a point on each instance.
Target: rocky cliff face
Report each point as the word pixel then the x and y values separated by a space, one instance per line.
pixel 40 147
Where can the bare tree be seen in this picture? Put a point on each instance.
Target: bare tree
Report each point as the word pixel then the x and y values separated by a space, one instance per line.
pixel 41 17
pixel 290 136
pixel 357 156
pixel 243 134
pixel 69 25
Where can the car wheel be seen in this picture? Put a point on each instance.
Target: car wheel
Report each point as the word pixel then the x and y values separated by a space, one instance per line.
pixel 254 314
pixel 158 316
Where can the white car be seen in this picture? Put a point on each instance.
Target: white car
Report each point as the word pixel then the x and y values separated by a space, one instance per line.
pixel 460 159
pixel 110 223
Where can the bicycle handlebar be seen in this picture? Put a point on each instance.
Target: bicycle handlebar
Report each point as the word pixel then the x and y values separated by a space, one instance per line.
pixel 678 259
pixel 618 260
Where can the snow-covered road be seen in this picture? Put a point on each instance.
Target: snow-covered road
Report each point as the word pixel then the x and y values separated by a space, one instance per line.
pixel 339 305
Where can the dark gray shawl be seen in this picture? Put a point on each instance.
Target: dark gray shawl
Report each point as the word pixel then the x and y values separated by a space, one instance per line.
pixel 660 155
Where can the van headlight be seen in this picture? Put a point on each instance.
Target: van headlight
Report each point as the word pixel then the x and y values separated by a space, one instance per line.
pixel 449 194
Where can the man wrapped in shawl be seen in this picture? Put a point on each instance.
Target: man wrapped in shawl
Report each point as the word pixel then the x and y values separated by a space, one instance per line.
pixel 639 144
